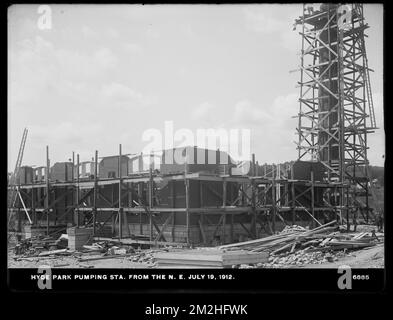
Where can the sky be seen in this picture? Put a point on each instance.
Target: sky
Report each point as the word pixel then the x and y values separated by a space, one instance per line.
pixel 104 74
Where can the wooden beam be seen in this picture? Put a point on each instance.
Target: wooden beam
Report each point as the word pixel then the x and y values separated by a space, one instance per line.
pixel 95 190
pixel 77 191
pixel 47 190
pixel 169 218
pixel 200 223
pixel 248 231
pixel 120 213
pixel 187 194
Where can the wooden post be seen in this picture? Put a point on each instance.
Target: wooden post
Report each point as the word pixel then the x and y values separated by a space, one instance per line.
pixel 73 166
pixel 95 192
pixel 150 195
pixel 34 213
pixel 19 227
pixel 278 185
pixel 77 191
pixel 312 199
pixel 231 239
pixel 242 198
pixel 224 203
pixel 335 204
pixel 186 183
pixel 140 193
pixel 367 202
pixel 254 211
pixel 224 218
pixel 65 203
pixel 202 216
pixel 200 193
pixel 224 193
pixel 120 194
pixel 253 164
pixel 173 204
pixel 113 219
pixel 274 205
pixel 47 190
pixel 347 208
pixel 129 204
pixel 140 163
pixel 293 195
pixel 72 187
pixel 54 212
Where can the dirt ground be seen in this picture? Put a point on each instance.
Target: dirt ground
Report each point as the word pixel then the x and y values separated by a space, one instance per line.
pixel 72 262
pixel 372 257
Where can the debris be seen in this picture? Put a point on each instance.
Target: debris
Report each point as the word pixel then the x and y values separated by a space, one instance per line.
pixel 104 257
pixel 48 253
pixel 296 245
pixel 62 242
pixel 121 251
pixel 61 265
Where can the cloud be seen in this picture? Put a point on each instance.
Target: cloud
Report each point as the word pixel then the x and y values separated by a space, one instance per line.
pixel 64 137
pixel 89 33
pixel 48 83
pixel 263 19
pixel 290 40
pixel 259 20
pixel 40 57
pixel 133 48
pixel 40 74
pixel 104 58
pixel 247 114
pixel 203 111
pixel 152 33
pixel 112 33
pixel 121 93
pixel 64 132
pixel 187 30
pixel 271 124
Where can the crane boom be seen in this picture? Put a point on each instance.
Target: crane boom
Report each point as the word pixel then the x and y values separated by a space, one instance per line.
pixel 15 174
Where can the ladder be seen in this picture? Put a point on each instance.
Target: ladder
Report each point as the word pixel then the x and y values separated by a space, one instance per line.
pixel 366 75
pixel 369 94
pixel 15 174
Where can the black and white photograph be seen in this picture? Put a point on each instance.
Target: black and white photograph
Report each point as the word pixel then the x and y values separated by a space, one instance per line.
pixel 196 136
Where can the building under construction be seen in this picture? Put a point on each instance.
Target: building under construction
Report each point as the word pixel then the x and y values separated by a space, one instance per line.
pixel 118 197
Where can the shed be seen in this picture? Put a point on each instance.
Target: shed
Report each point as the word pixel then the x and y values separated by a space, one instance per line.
pixel 109 167
pixel 61 171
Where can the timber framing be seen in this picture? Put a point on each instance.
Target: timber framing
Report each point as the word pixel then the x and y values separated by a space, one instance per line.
pixel 336 111
pixel 261 203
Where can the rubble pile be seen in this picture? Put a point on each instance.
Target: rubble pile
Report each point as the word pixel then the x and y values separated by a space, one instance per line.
pixel 296 245
pixel 293 228
pixel 293 246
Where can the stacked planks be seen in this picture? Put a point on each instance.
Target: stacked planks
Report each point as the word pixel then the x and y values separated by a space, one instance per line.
pixel 207 259
pixel 324 237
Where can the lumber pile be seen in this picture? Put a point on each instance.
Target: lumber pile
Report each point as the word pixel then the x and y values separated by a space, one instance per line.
pixel 35 245
pixel 296 245
pixel 211 259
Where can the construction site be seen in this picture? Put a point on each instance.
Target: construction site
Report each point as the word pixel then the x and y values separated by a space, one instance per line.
pixel 139 211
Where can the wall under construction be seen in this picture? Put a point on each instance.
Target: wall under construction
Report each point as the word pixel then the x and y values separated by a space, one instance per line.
pixel 196 208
